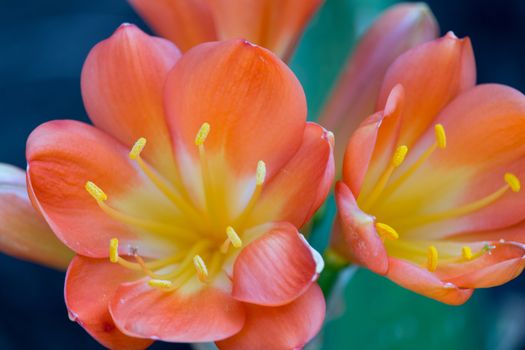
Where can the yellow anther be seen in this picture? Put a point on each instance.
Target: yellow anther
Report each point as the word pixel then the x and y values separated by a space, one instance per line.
pixel 202 134
pixel 113 250
pixel 260 175
pixel 432 258
pixel 162 284
pixel 233 237
pixel 399 156
pixel 441 136
pixel 95 191
pixel 200 266
pixel 466 252
pixel 137 148
pixel 386 231
pixel 513 182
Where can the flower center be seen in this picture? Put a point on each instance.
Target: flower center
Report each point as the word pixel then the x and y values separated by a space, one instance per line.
pixel 384 188
pixel 205 240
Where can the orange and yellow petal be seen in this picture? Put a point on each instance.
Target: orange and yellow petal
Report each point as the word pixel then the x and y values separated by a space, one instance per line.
pixel 358 239
pixel 24 234
pixel 274 24
pixel 432 75
pixel 251 100
pixel 186 23
pixel 289 326
pixel 400 28
pixel 208 314
pixel 276 268
pixel 62 156
pixel 504 262
pixel 122 88
pixel 302 185
pixel 418 279
pixel 90 284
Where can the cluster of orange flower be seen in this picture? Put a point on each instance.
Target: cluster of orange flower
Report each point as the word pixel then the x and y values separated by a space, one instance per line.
pixel 178 212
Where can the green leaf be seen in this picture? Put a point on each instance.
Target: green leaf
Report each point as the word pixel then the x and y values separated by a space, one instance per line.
pixel 381 315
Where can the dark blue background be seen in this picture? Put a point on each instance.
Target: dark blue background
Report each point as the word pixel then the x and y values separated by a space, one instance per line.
pixel 42 47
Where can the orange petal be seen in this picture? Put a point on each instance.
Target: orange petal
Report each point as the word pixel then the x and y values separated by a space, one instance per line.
pixel 302 185
pixel 62 156
pixel 432 74
pixel 504 262
pixel 421 281
pixel 401 27
pixel 186 23
pixel 285 327
pixel 254 104
pixel 24 233
pixel 90 284
pixel 276 268
pixel 206 315
pixel 361 243
pixel 274 24
pixel 122 82
pixel 371 147
pixel 359 152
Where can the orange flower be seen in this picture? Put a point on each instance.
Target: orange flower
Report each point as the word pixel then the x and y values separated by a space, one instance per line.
pixel 183 202
pixel 430 195
pixel 274 24
pixel 353 98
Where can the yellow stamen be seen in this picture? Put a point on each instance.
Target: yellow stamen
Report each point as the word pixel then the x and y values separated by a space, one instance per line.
pixel 233 237
pixel 513 182
pixel 161 284
pixel 260 177
pixel 432 258
pixel 386 231
pixel 137 148
pixel 185 264
pixel 202 134
pixel 441 142
pixel 466 252
pixel 441 136
pixel 207 181
pixel 95 191
pixel 200 266
pixel 399 156
pixel 260 174
pixel 397 159
pixel 113 250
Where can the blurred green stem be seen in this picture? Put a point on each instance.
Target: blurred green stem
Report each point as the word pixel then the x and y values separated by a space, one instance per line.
pixel 334 266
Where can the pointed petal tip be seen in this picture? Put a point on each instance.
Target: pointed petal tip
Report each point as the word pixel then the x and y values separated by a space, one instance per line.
pixel 126 28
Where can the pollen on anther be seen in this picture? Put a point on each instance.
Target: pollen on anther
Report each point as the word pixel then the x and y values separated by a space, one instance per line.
pixel 466 252
pixel 513 182
pixel 441 136
pixel 200 266
pixel 386 231
pixel 162 284
pixel 260 174
pixel 113 250
pixel 202 134
pixel 137 148
pixel 233 237
pixel 95 191
pixel 432 258
pixel 399 155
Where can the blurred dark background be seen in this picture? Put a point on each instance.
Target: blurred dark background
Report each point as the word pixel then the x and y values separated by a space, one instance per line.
pixel 42 47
